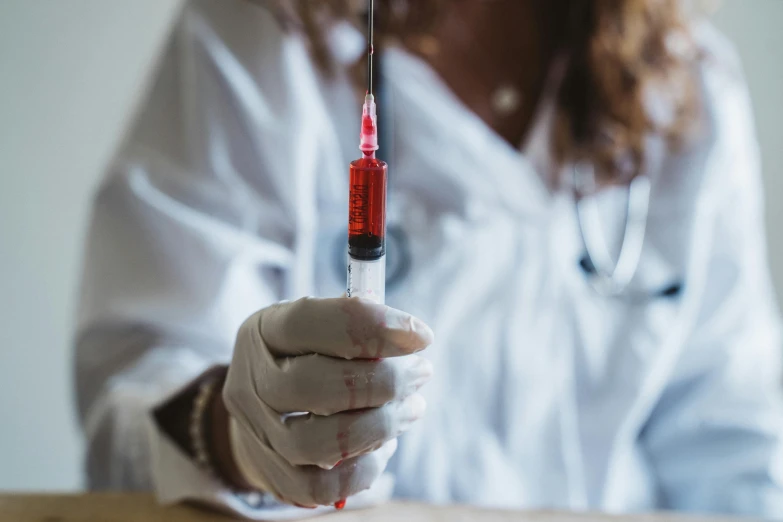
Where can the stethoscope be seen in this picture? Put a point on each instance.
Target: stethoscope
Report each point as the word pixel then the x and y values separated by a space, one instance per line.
pixel 608 279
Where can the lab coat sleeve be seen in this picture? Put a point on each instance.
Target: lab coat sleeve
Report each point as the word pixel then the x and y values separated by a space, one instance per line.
pixel 191 232
pixel 715 439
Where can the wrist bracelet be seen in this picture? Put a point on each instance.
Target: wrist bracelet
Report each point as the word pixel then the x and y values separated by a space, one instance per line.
pixel 199 418
pixel 197 427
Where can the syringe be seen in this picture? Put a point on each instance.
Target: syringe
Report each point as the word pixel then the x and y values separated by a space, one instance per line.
pixel 367 203
pixel 367 215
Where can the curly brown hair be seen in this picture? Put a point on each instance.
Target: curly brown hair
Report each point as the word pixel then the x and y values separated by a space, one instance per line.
pixel 619 52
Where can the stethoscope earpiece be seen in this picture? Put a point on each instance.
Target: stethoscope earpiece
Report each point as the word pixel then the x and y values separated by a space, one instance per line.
pixel 672 291
pixel 587 265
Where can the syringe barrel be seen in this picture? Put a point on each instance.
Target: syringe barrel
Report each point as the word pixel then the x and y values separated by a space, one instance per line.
pixel 367 279
pixel 367 229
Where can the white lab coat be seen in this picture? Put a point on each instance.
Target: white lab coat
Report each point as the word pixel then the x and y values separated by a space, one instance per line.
pixel 230 194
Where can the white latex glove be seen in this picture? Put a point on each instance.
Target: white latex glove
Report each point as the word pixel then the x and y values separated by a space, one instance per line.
pixel 318 391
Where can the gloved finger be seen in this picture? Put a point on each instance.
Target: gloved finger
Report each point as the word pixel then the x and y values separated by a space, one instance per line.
pixel 307 439
pixel 308 486
pixel 325 441
pixel 351 477
pixel 325 385
pixel 347 328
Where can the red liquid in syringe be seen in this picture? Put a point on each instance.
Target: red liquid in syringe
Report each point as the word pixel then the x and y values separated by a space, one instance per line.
pixel 367 209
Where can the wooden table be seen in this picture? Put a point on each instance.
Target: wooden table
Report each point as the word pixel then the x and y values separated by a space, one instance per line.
pixel 143 508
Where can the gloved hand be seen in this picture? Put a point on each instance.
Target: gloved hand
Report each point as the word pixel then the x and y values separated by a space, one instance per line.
pixel 318 391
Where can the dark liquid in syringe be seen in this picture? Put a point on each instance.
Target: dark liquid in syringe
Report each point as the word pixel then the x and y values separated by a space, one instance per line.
pixel 367 209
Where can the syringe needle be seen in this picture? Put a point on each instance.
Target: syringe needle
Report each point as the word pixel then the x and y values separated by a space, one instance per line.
pixel 370 44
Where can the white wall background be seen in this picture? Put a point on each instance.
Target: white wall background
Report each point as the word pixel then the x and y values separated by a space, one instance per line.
pixel 754 26
pixel 71 72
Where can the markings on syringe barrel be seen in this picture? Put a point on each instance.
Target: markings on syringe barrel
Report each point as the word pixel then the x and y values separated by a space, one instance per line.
pixel 360 204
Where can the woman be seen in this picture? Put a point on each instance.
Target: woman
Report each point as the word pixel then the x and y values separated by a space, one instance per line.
pixel 554 384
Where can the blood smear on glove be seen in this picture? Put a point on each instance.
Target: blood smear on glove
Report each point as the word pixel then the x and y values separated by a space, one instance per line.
pixel 339 504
